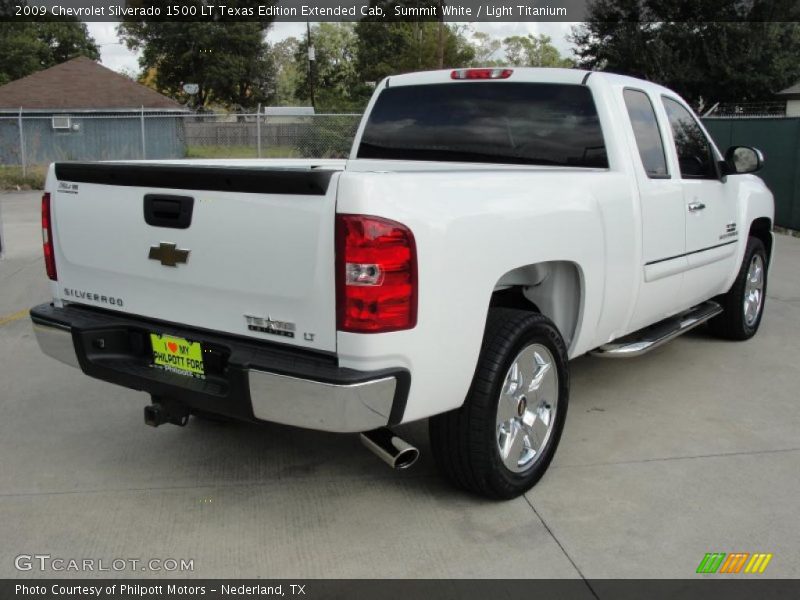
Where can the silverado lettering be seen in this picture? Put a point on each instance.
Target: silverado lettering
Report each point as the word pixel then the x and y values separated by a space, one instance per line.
pixel 71 293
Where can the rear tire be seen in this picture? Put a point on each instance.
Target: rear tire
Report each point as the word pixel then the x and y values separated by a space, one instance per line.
pixel 743 305
pixel 501 441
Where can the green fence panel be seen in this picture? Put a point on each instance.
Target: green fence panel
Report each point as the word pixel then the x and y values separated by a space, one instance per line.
pixel 779 140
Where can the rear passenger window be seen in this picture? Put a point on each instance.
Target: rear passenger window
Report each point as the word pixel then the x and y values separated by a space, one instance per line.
pixel 695 156
pixel 645 129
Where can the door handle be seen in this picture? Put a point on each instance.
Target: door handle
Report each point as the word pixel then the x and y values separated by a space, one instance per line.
pixel 168 211
pixel 695 206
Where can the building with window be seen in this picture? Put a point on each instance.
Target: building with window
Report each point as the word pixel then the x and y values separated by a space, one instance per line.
pixel 81 110
pixel 792 97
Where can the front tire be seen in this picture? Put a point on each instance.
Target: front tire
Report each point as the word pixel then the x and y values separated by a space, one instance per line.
pixel 743 305
pixel 501 441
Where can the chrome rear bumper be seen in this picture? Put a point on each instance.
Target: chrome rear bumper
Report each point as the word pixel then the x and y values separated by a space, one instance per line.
pixel 55 340
pixel 318 405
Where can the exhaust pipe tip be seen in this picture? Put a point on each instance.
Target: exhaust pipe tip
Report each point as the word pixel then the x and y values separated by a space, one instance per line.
pixel 390 448
pixel 406 459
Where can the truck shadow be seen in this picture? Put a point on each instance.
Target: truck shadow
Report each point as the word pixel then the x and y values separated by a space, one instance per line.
pixel 273 452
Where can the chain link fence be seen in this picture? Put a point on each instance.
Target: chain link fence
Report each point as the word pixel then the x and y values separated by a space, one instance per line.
pixel 746 110
pixel 28 140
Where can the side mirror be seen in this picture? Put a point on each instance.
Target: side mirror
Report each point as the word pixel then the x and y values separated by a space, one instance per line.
pixel 743 159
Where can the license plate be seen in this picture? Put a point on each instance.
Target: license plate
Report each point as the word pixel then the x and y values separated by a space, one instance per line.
pixel 178 355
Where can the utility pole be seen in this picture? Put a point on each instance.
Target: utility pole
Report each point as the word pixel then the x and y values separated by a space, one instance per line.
pixel 311 58
pixel 144 138
pixel 440 37
pixel 258 129
pixel 22 160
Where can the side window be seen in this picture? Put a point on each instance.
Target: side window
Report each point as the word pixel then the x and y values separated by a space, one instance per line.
pixel 695 156
pixel 645 129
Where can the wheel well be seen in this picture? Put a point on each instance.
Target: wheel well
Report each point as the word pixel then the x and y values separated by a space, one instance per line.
pixel 512 297
pixel 761 228
pixel 552 289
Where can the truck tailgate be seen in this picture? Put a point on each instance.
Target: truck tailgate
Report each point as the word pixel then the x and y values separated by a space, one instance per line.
pixel 255 256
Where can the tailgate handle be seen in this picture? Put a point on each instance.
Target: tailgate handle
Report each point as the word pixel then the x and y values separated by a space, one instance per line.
pixel 168 211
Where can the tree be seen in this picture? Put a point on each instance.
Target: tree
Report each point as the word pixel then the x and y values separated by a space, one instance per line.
pixel 30 46
pixel 229 60
pixel 724 41
pixel 64 40
pixel 336 82
pixel 486 49
pixel 533 51
pixel 393 47
pixel 19 51
pixel 380 47
pixel 287 71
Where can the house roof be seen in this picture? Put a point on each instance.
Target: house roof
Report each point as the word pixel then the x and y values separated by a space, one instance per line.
pixel 791 93
pixel 81 84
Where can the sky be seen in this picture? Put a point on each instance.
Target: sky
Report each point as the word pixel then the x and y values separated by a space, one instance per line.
pixel 117 57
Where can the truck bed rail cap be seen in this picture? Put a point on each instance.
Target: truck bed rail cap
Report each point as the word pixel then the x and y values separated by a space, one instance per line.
pixel 256 180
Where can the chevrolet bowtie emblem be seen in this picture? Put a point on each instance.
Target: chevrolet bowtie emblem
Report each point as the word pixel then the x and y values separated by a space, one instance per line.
pixel 168 254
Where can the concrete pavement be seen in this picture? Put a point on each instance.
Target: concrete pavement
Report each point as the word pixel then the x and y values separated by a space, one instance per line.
pixel 693 448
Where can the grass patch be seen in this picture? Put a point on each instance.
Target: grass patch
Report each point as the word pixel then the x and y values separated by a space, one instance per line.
pixel 11 178
pixel 241 152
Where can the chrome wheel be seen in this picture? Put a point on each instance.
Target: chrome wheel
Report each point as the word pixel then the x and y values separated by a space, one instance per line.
pixel 526 409
pixel 754 290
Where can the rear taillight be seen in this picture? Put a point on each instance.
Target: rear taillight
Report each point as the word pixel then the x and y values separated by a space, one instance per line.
pixel 481 73
pixel 47 238
pixel 376 275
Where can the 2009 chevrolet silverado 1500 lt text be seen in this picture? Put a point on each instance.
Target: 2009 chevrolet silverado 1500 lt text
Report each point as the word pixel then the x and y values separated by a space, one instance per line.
pixel 490 225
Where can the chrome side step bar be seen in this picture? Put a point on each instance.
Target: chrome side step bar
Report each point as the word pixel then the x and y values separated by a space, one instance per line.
pixel 644 340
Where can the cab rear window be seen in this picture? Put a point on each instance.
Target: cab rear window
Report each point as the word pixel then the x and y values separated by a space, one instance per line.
pixel 486 122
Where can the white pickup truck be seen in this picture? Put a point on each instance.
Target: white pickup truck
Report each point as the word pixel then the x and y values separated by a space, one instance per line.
pixel 489 226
